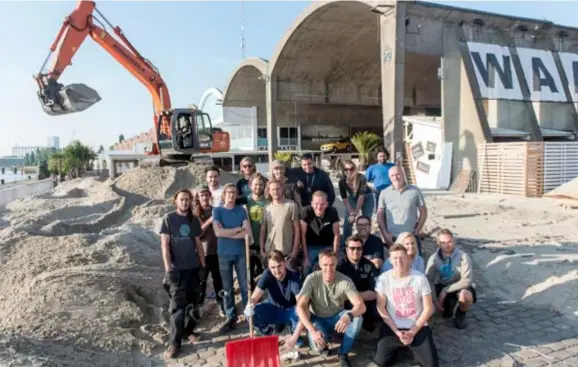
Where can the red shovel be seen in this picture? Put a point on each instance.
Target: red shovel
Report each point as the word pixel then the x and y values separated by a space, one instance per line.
pixel 253 351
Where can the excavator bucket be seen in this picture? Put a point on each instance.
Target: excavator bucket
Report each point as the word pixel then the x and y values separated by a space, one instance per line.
pixel 57 100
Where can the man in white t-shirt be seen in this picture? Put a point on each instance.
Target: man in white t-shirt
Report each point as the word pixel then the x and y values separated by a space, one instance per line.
pixel 404 301
pixel 212 176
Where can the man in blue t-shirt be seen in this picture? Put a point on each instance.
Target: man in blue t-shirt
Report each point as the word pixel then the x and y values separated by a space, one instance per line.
pixel 378 173
pixel 283 286
pixel 231 225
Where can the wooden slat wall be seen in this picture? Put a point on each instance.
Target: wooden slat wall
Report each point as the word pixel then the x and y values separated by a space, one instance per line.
pixel 511 168
pixel 407 164
pixel 560 163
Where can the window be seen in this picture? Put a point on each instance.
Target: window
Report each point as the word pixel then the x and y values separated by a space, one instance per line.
pixel 262 132
pixel 288 136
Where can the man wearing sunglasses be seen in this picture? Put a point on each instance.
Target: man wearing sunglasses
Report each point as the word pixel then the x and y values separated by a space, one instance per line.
pixel 363 274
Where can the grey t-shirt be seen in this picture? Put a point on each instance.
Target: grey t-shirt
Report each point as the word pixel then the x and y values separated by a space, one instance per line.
pixel 183 233
pixel 400 208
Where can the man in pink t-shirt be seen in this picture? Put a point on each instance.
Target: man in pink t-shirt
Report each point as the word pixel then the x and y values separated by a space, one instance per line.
pixel 404 302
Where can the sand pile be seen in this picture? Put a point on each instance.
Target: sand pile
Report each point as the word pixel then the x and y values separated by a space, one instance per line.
pixel 81 271
pixel 526 248
pixel 569 190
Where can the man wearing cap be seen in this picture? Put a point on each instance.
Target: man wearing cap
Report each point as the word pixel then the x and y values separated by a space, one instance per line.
pixel 290 189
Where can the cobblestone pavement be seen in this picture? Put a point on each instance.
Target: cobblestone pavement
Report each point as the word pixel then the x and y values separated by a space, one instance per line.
pixel 497 334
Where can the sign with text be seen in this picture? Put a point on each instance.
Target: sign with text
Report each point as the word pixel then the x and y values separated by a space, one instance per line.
pixel 570 65
pixel 497 78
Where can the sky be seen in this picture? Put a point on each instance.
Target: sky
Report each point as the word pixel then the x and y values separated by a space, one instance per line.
pixel 195 45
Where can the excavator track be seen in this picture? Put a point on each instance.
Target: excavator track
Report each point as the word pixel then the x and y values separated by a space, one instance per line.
pixel 204 160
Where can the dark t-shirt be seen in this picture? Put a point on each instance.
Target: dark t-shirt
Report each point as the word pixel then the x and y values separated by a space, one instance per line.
pixel 345 191
pixel 182 243
pixel 319 230
pixel 281 293
pixel 209 239
pixel 373 247
pixel 363 275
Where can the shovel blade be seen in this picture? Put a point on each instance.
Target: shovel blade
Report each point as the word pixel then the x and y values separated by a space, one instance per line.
pixel 253 352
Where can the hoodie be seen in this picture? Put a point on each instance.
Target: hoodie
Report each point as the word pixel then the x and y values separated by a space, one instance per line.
pixel 454 272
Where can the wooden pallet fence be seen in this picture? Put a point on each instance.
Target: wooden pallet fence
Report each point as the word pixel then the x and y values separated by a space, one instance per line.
pixel 560 164
pixel 511 168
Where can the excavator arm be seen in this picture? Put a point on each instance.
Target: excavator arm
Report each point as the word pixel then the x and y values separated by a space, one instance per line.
pixel 58 100
pixel 178 132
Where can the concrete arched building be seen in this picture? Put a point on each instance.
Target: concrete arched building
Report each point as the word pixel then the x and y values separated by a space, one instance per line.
pixel 346 66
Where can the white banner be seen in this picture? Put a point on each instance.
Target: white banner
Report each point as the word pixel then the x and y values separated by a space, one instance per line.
pixel 495 71
pixel 541 74
pixel 570 64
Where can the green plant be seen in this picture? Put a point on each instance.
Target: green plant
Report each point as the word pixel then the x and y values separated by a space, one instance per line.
pixel 284 157
pixel 365 142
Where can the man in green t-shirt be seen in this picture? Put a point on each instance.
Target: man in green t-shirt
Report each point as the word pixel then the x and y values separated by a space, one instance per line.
pixel 255 207
pixel 321 307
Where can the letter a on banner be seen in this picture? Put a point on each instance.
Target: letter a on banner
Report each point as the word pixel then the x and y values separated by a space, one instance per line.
pixel 541 75
pixel 495 71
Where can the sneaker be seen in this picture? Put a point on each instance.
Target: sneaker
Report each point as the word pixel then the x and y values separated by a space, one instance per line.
pixel 228 325
pixel 460 319
pixel 172 351
pixel 292 355
pixel 324 352
pixel 344 361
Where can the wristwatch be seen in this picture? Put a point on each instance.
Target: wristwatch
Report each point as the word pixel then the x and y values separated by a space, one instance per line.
pixel 350 314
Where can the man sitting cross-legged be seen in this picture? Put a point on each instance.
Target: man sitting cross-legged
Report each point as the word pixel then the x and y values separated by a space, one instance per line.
pixel 450 270
pixel 363 274
pixel 283 286
pixel 320 307
pixel 405 303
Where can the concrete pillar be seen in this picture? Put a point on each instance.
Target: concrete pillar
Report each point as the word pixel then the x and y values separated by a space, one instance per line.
pixel 111 168
pixel 392 29
pixel 271 100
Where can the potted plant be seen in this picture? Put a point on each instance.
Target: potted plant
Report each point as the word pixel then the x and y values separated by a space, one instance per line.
pixel 365 142
pixel 284 157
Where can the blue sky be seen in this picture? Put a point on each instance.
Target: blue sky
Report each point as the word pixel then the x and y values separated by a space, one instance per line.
pixel 195 45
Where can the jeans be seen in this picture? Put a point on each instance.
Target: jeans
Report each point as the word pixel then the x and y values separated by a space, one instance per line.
pixel 313 253
pixel 267 315
pixel 226 265
pixel 366 210
pixel 183 289
pixel 327 327
pixel 423 348
pixel 212 262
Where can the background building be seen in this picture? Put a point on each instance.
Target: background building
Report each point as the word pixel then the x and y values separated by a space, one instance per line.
pixel 53 142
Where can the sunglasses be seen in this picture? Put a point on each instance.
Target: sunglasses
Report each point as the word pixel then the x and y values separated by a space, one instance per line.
pixel 355 248
pixel 349 169
pixel 247 166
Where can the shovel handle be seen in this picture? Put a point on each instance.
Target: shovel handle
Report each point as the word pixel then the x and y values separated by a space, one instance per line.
pixel 248 256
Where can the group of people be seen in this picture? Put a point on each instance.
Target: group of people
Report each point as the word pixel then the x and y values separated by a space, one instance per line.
pixel 318 277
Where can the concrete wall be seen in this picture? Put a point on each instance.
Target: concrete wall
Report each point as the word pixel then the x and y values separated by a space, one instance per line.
pixel 21 191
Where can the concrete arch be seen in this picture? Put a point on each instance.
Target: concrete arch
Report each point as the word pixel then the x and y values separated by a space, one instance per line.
pixel 244 88
pixel 331 40
pixel 209 93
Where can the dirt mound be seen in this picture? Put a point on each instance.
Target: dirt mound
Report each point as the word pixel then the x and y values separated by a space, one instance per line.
pixel 81 270
pixel 569 190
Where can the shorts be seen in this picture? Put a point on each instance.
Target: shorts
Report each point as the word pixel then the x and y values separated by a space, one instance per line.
pixel 451 299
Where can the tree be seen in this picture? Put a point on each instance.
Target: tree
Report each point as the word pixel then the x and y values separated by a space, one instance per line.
pixel 100 149
pixel 77 157
pixel 27 159
pixel 121 138
pixel 365 142
pixel 32 159
pixel 56 164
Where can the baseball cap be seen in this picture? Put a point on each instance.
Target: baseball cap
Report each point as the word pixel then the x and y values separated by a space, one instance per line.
pixel 202 188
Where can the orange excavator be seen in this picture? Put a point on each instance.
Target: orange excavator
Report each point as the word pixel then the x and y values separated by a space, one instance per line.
pixel 180 134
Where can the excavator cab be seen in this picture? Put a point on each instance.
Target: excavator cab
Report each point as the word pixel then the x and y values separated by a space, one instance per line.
pixel 184 132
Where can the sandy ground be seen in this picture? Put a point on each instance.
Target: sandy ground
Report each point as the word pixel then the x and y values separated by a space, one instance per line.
pixel 82 266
